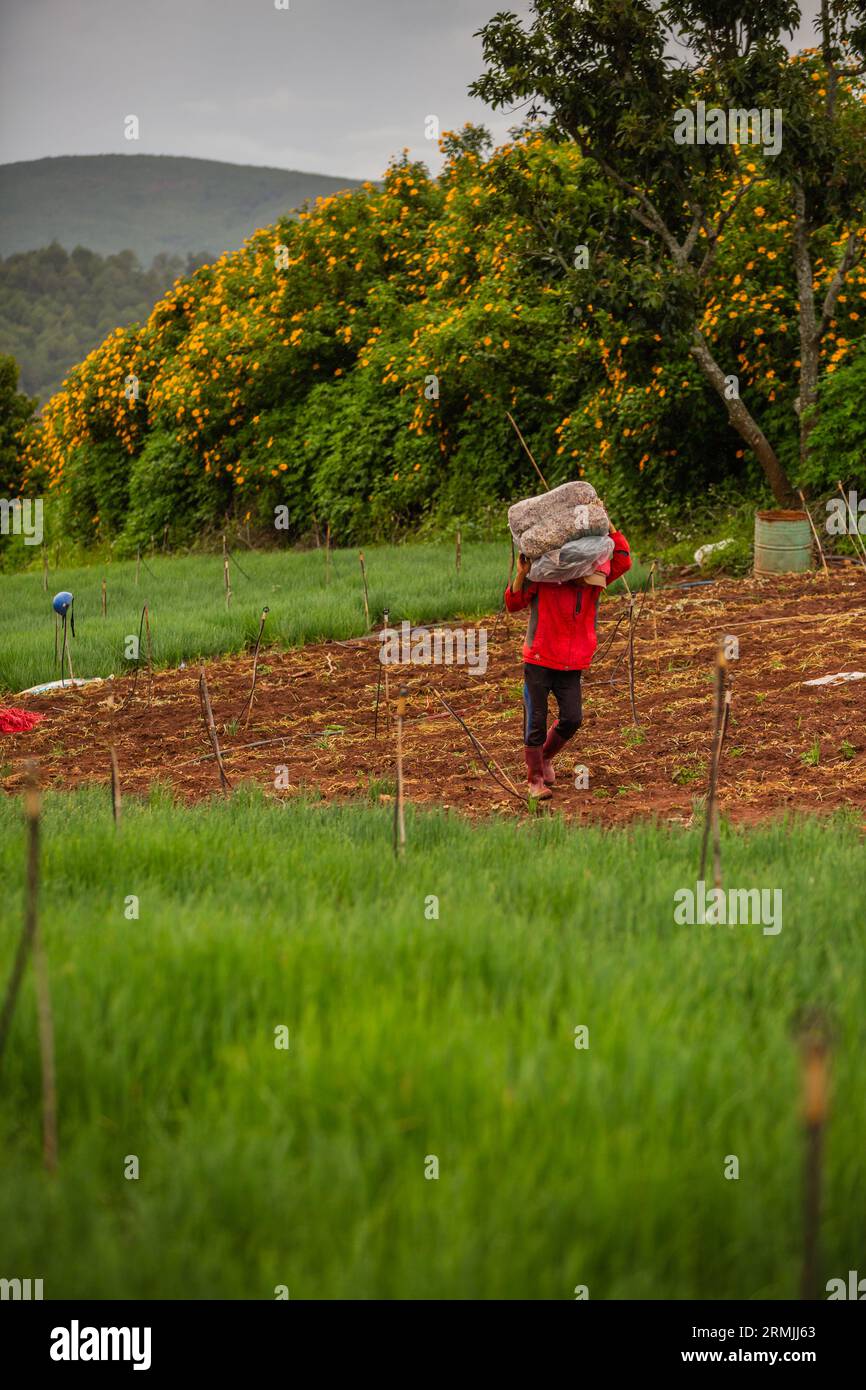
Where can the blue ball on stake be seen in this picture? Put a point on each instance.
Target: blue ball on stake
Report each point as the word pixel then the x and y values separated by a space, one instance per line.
pixel 62 604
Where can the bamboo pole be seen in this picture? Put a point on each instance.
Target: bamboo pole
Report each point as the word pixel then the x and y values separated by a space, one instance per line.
pixel 458 555
pixel 104 600
pixel 328 554
pixel 44 569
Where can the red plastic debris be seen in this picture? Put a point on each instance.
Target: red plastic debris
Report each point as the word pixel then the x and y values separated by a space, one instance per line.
pixel 18 721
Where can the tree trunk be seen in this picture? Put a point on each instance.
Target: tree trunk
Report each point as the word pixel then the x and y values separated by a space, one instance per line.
pixel 748 429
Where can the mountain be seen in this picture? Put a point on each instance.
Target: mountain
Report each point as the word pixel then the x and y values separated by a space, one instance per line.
pixel 150 204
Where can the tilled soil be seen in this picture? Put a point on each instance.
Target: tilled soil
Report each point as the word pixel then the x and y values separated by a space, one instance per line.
pixel 313 724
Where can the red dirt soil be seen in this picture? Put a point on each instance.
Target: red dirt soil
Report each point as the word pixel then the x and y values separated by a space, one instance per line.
pixel 790 630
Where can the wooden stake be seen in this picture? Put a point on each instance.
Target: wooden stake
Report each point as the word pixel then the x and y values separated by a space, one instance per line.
pixel 146 616
pixel 249 704
pixel 207 714
pixel 32 810
pixel 527 448
pixel 458 557
pixel 366 595
pixel 376 711
pixel 66 651
pixel 115 785
pixel 104 600
pixel 386 618
pixel 399 819
pixel 720 723
pixel 31 814
pixel 227 582
pixel 46 1053
pixel 631 662
pixel 652 575
pixel 815 534
pixel 814 1051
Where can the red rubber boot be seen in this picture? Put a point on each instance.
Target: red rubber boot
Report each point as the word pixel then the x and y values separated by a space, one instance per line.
pixel 552 745
pixel 534 774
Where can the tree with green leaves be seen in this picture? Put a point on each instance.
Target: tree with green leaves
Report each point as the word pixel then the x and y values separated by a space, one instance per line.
pixel 685 109
pixel 16 412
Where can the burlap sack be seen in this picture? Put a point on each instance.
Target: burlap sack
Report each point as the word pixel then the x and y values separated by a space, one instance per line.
pixel 542 524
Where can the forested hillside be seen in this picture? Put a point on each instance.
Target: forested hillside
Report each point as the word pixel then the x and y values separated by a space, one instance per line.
pixel 56 306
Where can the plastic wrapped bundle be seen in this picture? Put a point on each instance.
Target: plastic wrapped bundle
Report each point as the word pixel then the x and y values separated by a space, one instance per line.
pixel 542 524
pixel 577 559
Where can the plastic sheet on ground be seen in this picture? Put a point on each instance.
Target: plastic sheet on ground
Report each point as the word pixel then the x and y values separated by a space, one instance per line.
pixel 839 678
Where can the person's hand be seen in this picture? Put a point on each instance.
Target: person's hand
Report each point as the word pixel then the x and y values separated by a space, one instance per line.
pixel 523 568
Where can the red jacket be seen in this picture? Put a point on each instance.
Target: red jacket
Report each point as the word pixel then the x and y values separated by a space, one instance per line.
pixel 561 632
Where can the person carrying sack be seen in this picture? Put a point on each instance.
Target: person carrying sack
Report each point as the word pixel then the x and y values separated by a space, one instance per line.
pixel 560 643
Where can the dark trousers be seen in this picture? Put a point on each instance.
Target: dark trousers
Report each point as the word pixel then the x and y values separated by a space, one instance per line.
pixel 538 682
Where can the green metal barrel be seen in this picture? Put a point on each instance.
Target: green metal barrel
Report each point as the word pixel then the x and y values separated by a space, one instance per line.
pixel 783 543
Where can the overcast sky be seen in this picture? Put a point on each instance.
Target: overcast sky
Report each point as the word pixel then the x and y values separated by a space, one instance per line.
pixel 328 86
